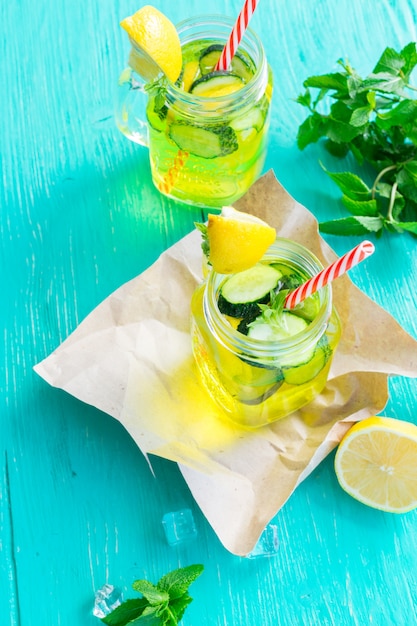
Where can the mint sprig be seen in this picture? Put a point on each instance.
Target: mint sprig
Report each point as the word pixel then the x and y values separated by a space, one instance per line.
pixel 158 90
pixel 272 313
pixel 162 604
pixel 205 243
pixel 375 118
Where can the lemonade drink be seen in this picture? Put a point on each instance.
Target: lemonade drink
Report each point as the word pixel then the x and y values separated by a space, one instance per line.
pixel 256 371
pixel 222 151
pixel 207 132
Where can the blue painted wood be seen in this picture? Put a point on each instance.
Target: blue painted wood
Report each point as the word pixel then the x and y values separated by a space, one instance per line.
pixel 79 217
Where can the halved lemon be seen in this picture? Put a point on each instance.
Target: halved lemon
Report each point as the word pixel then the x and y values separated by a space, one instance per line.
pixel 237 240
pixel 376 463
pixel 156 44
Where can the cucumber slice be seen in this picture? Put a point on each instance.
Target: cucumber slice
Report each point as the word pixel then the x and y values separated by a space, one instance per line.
pixel 290 325
pixel 241 292
pixel 304 373
pixel 255 118
pixel 216 84
pixel 254 395
pixel 209 57
pixel 239 65
pixel 249 317
pixel 308 308
pixel 258 382
pixel 208 143
pixel 156 115
pixel 246 310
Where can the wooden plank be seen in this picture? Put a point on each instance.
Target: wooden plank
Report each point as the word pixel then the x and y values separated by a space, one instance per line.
pixel 9 596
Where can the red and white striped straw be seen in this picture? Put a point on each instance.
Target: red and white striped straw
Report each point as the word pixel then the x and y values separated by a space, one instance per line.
pixel 336 269
pixel 236 35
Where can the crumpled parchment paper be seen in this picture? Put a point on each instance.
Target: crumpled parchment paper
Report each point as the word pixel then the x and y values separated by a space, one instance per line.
pixel 131 358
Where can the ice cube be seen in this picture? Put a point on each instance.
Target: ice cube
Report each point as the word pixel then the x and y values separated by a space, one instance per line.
pixel 267 543
pixel 179 526
pixel 107 598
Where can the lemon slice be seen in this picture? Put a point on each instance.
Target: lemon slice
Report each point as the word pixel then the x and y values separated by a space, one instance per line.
pixel 237 240
pixel 156 45
pixel 376 463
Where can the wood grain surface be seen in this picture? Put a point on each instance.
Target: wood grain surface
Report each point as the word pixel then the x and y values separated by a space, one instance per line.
pixel 79 216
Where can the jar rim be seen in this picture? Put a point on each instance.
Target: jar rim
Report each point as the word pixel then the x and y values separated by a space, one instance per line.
pixel 281 250
pixel 248 91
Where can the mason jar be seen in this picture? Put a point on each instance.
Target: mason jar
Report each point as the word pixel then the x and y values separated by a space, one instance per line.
pixel 257 382
pixel 205 151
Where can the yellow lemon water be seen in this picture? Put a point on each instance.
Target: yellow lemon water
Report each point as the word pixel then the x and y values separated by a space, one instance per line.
pixel 250 392
pixel 208 157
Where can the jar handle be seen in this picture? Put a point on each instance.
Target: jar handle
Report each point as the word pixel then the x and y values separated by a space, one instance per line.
pixel 130 110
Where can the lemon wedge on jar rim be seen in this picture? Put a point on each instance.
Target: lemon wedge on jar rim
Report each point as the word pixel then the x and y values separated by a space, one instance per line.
pixel 156 45
pixel 376 463
pixel 237 240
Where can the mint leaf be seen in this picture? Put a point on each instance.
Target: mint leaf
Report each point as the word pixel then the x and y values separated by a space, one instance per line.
pixel 149 619
pixel 390 62
pixel 178 606
pixel 351 185
pixel 404 112
pixel 342 132
pixel 407 180
pixel 205 243
pixel 386 82
pixel 409 54
pixel 411 170
pixel 153 594
pixel 126 612
pixel 335 81
pixel 176 583
pixel 311 130
pixel 336 149
pixel 411 227
pixel 272 313
pixel 352 226
pixel 360 116
pixel 304 99
pixel 361 207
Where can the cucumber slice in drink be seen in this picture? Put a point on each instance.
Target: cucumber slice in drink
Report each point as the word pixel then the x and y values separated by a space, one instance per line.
pixel 240 294
pixel 205 142
pixel 308 308
pixel 252 119
pixel 254 395
pixel 239 65
pixel 290 325
pixel 216 84
pixel 156 115
pixel 298 375
pixel 257 382
pixel 255 118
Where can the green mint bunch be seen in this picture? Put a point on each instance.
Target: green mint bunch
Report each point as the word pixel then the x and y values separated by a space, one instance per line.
pixel 375 118
pixel 162 604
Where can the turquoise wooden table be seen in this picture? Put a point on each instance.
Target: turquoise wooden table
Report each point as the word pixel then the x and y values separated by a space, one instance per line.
pixel 79 217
